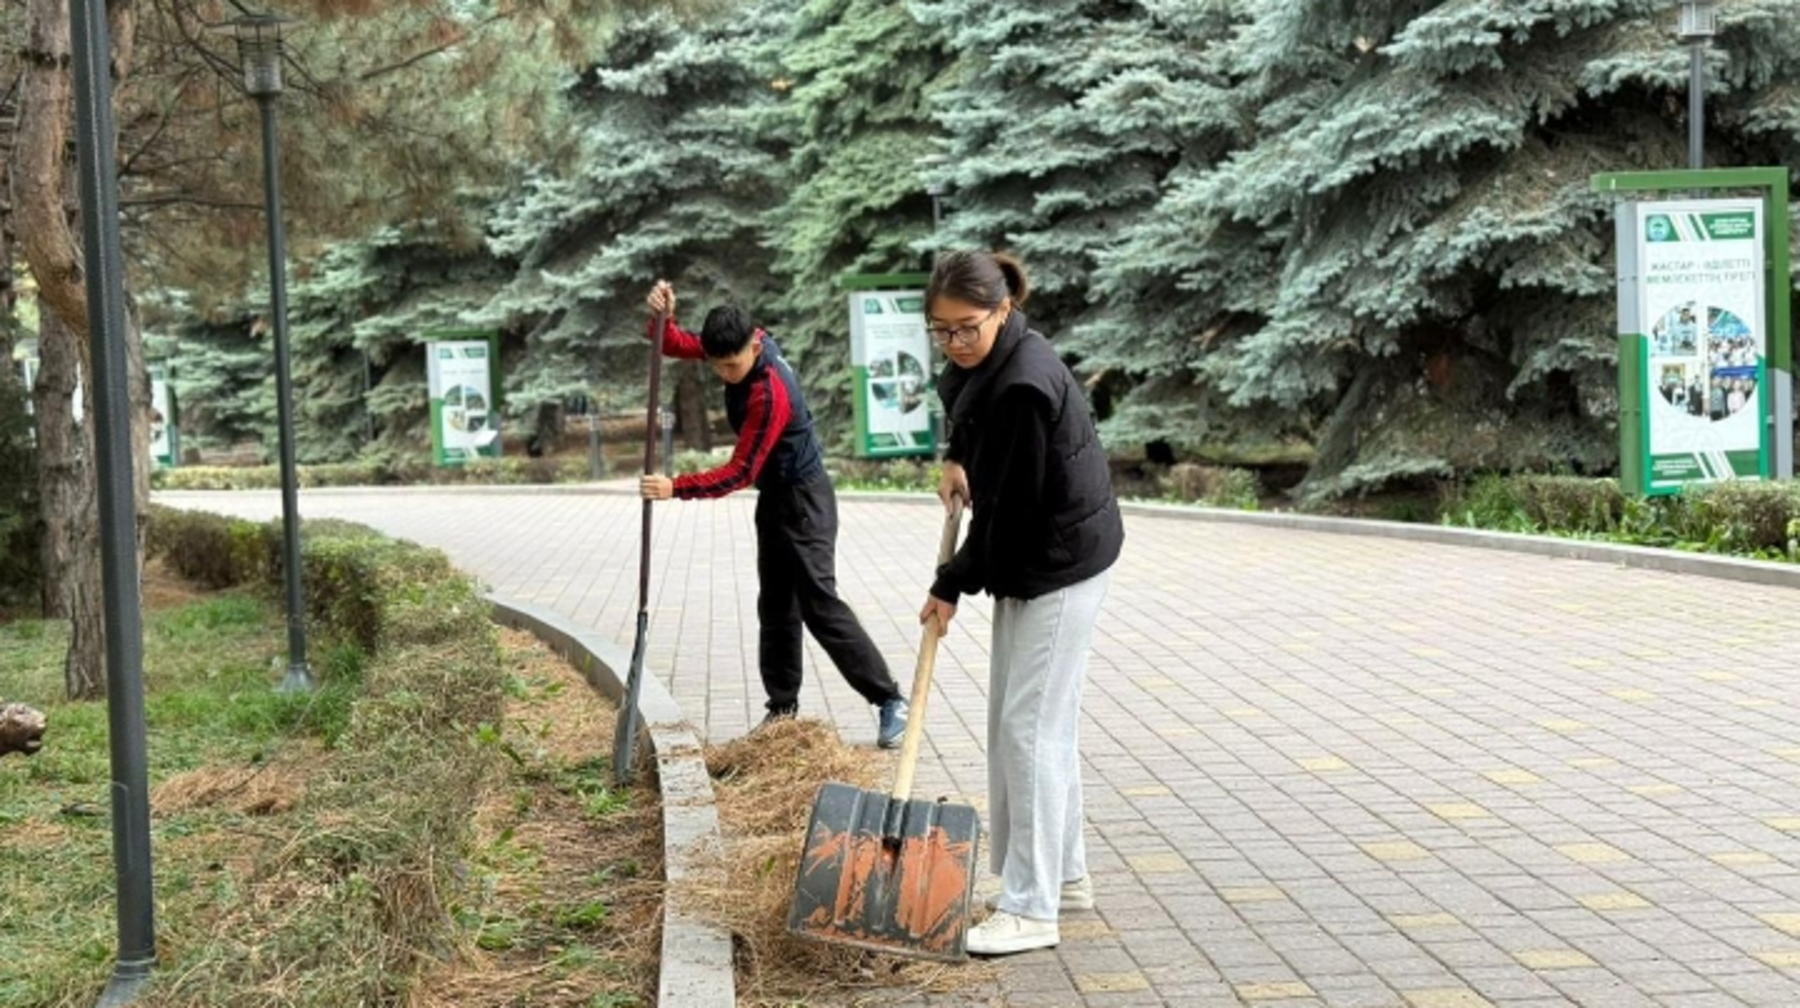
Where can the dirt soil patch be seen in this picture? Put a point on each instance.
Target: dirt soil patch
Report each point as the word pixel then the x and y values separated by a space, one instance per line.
pixel 566 895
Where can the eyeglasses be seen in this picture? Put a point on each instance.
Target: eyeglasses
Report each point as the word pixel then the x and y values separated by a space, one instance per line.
pixel 963 335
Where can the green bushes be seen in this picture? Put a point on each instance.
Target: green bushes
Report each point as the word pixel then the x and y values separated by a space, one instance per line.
pixel 1213 486
pixel 1747 519
pixel 348 909
pixel 513 471
pixel 903 475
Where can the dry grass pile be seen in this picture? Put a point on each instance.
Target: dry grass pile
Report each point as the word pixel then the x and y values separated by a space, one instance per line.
pixel 764 784
pixel 265 789
pixel 345 897
pixel 565 906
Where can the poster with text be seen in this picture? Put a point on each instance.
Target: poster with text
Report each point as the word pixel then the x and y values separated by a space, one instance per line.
pixel 1701 303
pixel 465 419
pixel 890 353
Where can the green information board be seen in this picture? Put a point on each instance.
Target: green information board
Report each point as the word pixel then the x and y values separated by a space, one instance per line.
pixel 165 434
pixel 463 370
pixel 1705 346
pixel 895 396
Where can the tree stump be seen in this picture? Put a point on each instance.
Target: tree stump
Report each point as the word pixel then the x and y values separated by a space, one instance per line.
pixel 21 729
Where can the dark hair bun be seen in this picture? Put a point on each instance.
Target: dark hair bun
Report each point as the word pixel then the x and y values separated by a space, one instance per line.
pixel 1018 287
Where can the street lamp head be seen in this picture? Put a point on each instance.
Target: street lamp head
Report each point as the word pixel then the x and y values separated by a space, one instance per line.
pixel 1696 23
pixel 260 50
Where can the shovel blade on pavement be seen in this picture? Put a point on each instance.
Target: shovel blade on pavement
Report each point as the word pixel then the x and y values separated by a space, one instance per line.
pixel 906 892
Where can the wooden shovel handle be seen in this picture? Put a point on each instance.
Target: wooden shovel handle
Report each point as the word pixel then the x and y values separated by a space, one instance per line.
pixel 921 689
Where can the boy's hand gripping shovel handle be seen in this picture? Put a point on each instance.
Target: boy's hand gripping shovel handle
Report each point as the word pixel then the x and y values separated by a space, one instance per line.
pixel 921 689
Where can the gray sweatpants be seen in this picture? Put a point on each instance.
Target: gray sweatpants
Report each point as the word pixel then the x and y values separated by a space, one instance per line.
pixel 1037 669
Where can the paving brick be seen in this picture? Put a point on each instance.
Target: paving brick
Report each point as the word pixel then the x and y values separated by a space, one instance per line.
pixel 1375 769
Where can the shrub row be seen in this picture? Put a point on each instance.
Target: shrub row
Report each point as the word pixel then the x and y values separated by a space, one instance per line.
pixel 509 471
pixel 356 901
pixel 1758 519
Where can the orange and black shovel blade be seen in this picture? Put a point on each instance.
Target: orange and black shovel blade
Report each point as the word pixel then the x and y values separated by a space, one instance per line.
pixel 888 876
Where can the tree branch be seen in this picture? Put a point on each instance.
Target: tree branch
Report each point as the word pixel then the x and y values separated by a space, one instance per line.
pixel 462 37
pixel 185 199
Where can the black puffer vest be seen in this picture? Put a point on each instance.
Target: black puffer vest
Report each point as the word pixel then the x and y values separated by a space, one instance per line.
pixel 1024 549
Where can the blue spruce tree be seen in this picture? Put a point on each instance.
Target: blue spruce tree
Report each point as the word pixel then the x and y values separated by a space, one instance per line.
pixel 855 74
pixel 1062 120
pixel 1402 263
pixel 666 178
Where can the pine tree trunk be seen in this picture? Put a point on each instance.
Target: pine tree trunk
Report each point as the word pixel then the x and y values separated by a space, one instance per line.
pixel 1342 433
pixel 141 405
pixel 9 299
pixel 67 478
pixel 66 486
pixel 39 175
pixel 690 408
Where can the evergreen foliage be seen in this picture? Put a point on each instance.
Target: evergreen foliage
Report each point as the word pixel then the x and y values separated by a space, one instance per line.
pixel 668 180
pixel 1062 120
pixel 1403 263
pixel 20 563
pixel 1253 224
pixel 856 75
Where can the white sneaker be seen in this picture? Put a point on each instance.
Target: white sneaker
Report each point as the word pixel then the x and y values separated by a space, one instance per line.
pixel 1076 895
pixel 1004 934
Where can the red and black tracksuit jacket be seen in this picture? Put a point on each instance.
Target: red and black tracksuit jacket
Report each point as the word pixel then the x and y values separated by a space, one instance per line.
pixel 776 445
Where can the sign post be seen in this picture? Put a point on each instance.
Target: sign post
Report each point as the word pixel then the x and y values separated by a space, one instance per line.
pixel 894 395
pixel 464 375
pixel 1705 341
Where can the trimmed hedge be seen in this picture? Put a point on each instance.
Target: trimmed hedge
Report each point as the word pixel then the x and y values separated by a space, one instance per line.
pixel 364 889
pixel 511 471
pixel 1756 519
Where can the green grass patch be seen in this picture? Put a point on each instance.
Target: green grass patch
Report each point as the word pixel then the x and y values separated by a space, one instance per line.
pixel 208 702
pixel 306 847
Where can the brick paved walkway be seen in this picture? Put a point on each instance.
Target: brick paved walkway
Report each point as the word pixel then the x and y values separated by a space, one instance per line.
pixel 1322 770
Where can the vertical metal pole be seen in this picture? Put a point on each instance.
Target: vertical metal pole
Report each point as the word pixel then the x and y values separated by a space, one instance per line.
pixel 1697 107
pixel 368 411
pixel 123 619
pixel 938 440
pixel 625 728
pixel 299 675
pixel 595 467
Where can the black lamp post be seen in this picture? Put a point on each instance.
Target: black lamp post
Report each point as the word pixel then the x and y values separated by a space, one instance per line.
pixel 1695 28
pixel 935 188
pixel 98 185
pixel 260 50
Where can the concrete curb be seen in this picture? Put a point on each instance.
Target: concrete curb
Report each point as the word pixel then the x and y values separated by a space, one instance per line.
pixel 696 956
pixel 1763 572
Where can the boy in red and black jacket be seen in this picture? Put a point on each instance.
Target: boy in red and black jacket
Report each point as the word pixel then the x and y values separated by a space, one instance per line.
pixel 796 511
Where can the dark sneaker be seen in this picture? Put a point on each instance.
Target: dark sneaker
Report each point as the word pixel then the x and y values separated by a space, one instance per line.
pixel 784 713
pixel 893 723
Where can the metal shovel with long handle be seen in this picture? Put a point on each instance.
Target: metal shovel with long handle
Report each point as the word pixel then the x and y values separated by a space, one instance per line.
pixel 881 870
pixel 626 728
